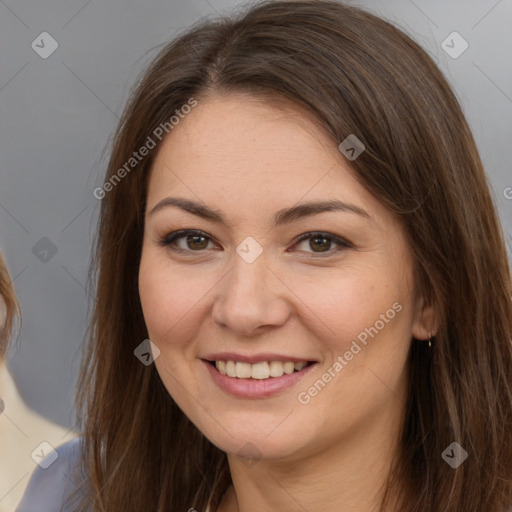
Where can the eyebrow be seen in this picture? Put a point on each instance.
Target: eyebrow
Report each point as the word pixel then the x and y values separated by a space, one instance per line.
pixel 284 216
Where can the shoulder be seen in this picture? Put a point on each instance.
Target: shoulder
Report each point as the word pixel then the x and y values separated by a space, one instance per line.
pixel 56 484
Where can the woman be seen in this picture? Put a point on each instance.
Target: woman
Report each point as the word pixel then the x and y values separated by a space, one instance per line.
pixel 296 215
pixel 21 429
pixel 9 308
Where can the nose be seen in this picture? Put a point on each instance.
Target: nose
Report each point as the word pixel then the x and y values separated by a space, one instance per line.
pixel 251 297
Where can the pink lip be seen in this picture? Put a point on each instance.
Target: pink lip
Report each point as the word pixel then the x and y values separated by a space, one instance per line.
pixel 254 388
pixel 232 356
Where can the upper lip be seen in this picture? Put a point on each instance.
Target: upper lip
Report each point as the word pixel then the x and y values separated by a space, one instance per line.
pixel 253 359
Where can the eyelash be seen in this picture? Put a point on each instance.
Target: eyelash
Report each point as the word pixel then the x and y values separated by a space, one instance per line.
pixel 171 238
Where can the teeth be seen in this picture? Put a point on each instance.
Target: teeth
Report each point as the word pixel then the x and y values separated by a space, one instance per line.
pixel 243 370
pixel 288 367
pixel 276 369
pixel 221 366
pixel 299 366
pixel 230 369
pixel 260 371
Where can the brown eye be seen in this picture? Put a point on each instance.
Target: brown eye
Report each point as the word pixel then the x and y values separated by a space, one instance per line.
pixel 322 243
pixel 197 241
pixel 194 241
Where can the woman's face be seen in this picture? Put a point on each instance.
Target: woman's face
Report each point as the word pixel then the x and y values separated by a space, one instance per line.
pixel 246 293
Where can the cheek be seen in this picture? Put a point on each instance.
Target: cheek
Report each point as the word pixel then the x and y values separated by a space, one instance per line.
pixel 343 305
pixel 175 302
pixel 171 298
pixel 367 319
pixel 369 315
pixel 168 298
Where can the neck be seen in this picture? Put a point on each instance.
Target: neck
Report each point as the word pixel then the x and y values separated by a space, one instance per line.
pixel 349 476
pixel 8 390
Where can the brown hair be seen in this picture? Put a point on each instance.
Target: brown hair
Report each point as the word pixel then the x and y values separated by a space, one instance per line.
pixel 12 308
pixel 356 74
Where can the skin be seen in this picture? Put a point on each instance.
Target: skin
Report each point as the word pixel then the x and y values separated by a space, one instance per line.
pixel 250 159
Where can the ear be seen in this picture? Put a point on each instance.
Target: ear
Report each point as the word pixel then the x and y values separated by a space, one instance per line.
pixel 425 322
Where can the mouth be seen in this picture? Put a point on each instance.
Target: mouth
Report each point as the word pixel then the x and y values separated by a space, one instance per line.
pixel 257 379
pixel 259 371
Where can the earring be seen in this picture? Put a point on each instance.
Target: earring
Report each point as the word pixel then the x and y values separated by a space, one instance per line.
pixel 429 340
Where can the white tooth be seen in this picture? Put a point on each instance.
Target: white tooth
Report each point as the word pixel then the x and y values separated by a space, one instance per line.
pixel 230 369
pixel 221 366
pixel 299 366
pixel 243 370
pixel 260 370
pixel 288 367
pixel 276 369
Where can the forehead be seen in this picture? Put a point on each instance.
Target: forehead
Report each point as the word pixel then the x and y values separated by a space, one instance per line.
pixel 248 158
pixel 232 129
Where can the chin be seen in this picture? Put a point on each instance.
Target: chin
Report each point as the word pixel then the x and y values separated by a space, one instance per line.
pixel 253 440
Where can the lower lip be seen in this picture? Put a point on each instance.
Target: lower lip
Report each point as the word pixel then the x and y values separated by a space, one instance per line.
pixel 256 388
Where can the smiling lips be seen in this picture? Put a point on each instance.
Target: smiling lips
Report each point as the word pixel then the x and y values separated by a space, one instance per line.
pixel 261 370
pixel 256 377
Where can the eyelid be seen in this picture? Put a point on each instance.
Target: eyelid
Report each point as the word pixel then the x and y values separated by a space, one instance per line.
pixel 323 234
pixel 341 242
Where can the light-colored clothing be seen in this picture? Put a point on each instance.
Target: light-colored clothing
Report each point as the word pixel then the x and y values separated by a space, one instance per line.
pixel 51 489
pixel 23 434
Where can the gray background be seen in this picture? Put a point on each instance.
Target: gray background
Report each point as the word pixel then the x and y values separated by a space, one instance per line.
pixel 58 116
